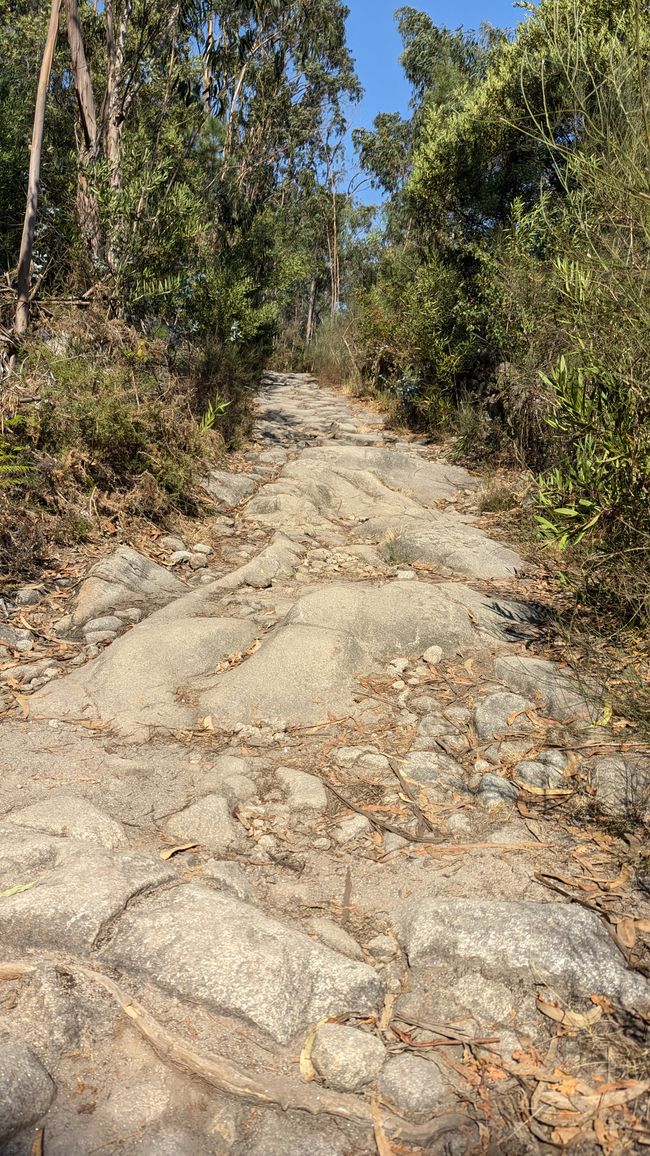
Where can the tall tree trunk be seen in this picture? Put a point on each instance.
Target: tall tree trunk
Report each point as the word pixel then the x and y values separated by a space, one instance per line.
pixel 336 268
pixel 23 280
pixel 87 207
pixel 311 306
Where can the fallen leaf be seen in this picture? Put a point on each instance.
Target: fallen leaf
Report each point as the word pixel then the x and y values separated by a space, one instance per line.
pixel 307 1069
pixel 547 792
pixel 387 1011
pixel 606 717
pixel 567 1017
pixel 17 889
pixel 171 851
pixel 626 932
pixel 37 1143
pixel 23 703
pixel 603 1002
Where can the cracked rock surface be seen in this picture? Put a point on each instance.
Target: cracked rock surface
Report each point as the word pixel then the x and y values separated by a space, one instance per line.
pixel 282 835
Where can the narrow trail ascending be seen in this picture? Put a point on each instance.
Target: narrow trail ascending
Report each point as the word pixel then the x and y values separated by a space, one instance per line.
pixel 313 770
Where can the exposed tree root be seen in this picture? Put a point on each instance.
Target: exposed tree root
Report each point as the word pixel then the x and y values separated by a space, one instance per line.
pixel 274 1091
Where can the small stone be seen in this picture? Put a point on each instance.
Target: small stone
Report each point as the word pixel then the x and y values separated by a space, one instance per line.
pixel 201 548
pixel 433 655
pixel 207 822
pixel 383 947
pixel 206 946
pixel 179 556
pixel 92 650
pixel 537 677
pixel 228 877
pixel 458 715
pixel 394 842
pixel 321 844
pixel 304 792
pixel 553 758
pixel 130 614
pixel 346 1058
pixel 334 936
pixel 537 774
pixel 440 774
pixel 350 828
pixel 268 843
pixel 405 575
pixel 459 824
pixel 24 645
pixel 399 664
pixel 8 634
pixel 95 637
pixel 198 562
pixel 26 1089
pixel 493 712
pixel 171 542
pixel 110 622
pixel 494 791
pixel 28 596
pixel 412 1085
pixel 621 786
pixel 399 684
pixel 372 762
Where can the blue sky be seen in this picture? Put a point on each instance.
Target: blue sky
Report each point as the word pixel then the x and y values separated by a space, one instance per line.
pixel 376 47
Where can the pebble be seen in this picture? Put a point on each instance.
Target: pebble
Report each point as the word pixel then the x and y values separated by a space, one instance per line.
pixel 171 542
pixel 94 637
pixel 131 614
pixel 495 790
pixel 304 792
pixel 350 829
pixel 92 650
pixel 28 596
pixel 198 562
pixel 383 947
pixel 110 622
pixel 346 1058
pixel 201 548
pixel 433 655
pixel 334 936
pixel 405 575
pixel 394 842
pixel 179 556
pixel 24 645
pixel 413 1085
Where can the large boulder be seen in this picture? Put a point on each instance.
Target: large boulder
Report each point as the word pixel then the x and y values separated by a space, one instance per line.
pixel 211 948
pixel 555 943
pixel 123 579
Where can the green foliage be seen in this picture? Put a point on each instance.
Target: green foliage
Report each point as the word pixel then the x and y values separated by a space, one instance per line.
pixel 516 292
pixel 217 407
pixel 15 464
pixel 115 418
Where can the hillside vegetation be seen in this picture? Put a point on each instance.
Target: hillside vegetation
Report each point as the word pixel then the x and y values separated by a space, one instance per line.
pixel 503 295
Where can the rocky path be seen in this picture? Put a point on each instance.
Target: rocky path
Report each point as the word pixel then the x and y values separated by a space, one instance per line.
pixel 301 838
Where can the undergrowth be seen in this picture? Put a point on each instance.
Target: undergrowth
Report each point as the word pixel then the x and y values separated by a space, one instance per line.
pixel 102 420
